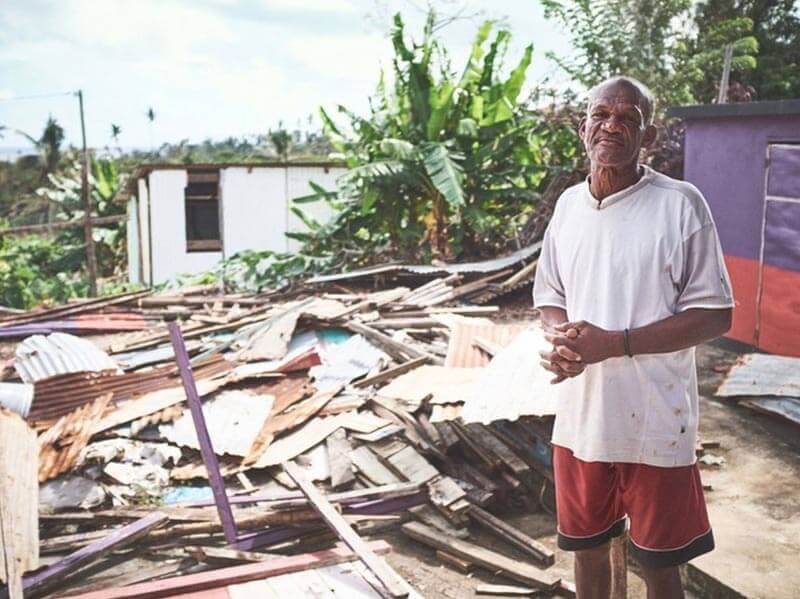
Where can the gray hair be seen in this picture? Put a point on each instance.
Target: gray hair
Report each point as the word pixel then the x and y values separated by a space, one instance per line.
pixel 646 100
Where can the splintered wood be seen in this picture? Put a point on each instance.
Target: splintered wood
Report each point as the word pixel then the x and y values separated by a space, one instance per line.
pixel 62 443
pixel 19 501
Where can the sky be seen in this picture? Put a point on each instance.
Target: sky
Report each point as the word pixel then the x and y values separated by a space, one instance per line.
pixel 219 68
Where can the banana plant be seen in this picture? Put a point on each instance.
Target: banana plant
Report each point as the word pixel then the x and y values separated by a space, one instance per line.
pixel 447 163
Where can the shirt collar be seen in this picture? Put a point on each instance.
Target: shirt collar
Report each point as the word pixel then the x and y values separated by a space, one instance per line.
pixel 647 176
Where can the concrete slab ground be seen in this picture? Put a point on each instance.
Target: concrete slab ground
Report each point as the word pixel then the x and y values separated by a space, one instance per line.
pixel 755 502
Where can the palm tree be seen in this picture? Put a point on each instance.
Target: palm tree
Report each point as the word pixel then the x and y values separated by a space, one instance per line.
pixel 115 131
pixel 151 116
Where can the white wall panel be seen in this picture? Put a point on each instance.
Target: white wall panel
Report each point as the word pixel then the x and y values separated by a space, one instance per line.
pixel 168 229
pixel 134 270
pixel 253 209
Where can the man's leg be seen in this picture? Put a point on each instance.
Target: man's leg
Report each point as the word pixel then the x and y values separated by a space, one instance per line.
pixel 663 583
pixel 589 512
pixel 669 523
pixel 593 572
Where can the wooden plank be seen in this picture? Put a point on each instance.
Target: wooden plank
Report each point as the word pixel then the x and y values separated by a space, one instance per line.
pixel 445 491
pixel 275 423
pixel 206 448
pixel 513 535
pixel 396 349
pixel 121 537
pixel 512 461
pixel 394 584
pixel 194 583
pixel 369 465
pixel 449 438
pixel 339 458
pixel 390 373
pixel 504 590
pixel 491 560
pixel 459 564
pixel 32 229
pixel 412 466
pixel 431 517
pixel 19 501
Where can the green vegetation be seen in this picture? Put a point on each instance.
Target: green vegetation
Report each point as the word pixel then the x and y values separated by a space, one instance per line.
pixel 448 164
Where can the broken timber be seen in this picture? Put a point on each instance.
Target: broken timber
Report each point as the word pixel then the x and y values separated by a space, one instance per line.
pixel 514 536
pixel 394 584
pixel 19 503
pixel 491 560
pixel 183 586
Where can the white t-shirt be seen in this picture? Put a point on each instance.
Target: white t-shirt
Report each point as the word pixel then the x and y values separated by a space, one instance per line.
pixel 641 255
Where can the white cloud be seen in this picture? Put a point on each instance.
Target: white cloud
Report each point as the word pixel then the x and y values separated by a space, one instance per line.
pixel 340 6
pixel 342 56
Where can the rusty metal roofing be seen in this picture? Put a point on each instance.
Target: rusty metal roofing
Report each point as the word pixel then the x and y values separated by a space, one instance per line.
pixel 40 357
pixel 464 331
pixel 484 266
pixel 762 374
pixel 58 395
pixel 61 445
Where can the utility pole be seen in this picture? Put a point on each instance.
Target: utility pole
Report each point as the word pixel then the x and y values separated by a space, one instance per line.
pixel 722 98
pixel 91 258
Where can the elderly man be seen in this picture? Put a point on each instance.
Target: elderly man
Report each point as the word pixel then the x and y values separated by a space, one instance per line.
pixel 629 280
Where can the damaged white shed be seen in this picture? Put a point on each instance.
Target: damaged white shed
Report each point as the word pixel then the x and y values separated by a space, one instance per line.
pixel 185 218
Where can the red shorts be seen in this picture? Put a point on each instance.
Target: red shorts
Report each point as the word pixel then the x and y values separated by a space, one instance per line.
pixel 668 519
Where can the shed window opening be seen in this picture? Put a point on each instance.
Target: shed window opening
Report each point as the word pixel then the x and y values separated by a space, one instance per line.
pixel 201 197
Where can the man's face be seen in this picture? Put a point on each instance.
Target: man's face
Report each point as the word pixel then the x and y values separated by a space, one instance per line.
pixel 614 130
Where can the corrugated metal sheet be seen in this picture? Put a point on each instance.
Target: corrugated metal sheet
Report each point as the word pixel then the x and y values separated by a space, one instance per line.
pixel 16 397
pixel 233 418
pixel 56 396
pixel 81 323
pixel 463 331
pixel 516 376
pixel 41 357
pixel 484 266
pixel 762 374
pixel 787 407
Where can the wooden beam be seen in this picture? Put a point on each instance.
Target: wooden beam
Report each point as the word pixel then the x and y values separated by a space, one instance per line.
pixel 491 560
pixel 206 448
pixel 513 535
pixel 118 538
pixel 394 584
pixel 46 228
pixel 194 583
pixel 390 373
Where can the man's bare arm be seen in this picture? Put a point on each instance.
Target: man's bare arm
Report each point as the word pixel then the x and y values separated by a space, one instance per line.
pixel 680 331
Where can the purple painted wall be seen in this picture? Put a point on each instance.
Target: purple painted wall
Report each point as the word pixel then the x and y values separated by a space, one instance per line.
pixel 725 159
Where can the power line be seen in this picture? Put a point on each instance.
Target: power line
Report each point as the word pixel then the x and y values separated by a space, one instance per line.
pixel 37 96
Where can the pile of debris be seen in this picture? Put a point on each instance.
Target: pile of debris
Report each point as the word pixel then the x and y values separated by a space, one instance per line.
pixel 196 430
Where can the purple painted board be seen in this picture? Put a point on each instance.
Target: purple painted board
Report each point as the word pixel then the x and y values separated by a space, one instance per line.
pixel 275 535
pixel 117 538
pixel 206 448
pixel 384 506
pixel 784 171
pixel 725 158
pixel 782 235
